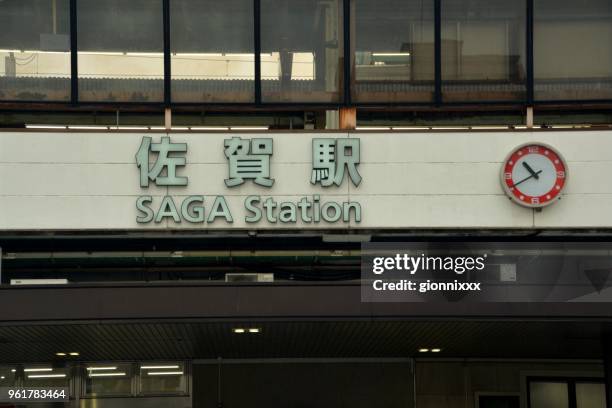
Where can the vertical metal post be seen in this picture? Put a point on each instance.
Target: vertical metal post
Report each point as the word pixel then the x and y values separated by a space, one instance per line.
pixel 54 15
pixel 167 61
pixel 347 54
pixel 529 119
pixel 438 51
pixel 219 379
pixel 347 118
pixel 257 46
pixel 571 393
pixel 74 56
pixel 607 360
pixel 168 119
pixel 529 56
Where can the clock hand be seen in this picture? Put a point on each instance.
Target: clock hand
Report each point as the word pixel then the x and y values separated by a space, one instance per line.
pixel 531 171
pixel 535 174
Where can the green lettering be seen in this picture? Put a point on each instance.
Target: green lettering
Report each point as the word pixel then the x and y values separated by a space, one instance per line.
pixel 304 206
pixel 145 210
pixel 253 209
pixel 193 213
pixel 316 210
pixel 347 211
pixel 220 209
pixel 167 209
pixel 287 212
pixel 325 211
pixel 269 205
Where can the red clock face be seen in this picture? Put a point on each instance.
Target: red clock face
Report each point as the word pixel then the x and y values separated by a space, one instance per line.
pixel 534 175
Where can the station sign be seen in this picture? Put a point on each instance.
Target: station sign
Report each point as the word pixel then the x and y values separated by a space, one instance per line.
pixel 300 181
pixel 248 160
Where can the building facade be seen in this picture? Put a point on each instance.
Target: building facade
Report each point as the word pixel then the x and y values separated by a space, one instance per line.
pixel 226 204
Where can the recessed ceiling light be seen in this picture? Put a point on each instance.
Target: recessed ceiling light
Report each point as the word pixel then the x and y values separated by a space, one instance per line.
pixel 165 373
pixel 32 370
pixel 60 354
pixel 47 376
pixel 254 330
pixel 239 331
pixel 423 350
pixel 101 368
pixel 249 127
pixel 158 367
pixel 117 374
pixel 13 370
pixel 2 377
pixel 74 353
pixel 436 350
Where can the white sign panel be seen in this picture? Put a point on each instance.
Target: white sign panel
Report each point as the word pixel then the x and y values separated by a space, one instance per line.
pixel 142 181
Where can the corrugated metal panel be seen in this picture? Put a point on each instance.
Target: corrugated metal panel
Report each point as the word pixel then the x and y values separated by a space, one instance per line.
pixel 322 339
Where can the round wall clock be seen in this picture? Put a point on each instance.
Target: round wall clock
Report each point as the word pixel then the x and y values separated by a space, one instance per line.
pixel 534 175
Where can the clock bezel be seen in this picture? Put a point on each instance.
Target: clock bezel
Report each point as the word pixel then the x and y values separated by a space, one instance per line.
pixel 509 192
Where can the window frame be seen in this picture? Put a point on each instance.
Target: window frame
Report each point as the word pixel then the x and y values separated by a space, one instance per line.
pixel 82 370
pixel 571 382
pixel 346 25
pixel 186 375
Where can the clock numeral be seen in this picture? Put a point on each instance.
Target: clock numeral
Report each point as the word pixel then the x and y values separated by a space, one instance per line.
pixel 561 174
pixel 533 149
pixel 535 200
pixel 508 176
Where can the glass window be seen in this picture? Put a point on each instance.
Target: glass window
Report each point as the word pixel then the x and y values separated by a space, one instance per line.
pixel 483 50
pixel 572 49
pixel 590 395
pixel 46 376
pixel 163 378
pixel 108 379
pixel 8 376
pixel 34 50
pixel 301 44
pixel 212 47
pixel 548 394
pixel 120 46
pixel 394 51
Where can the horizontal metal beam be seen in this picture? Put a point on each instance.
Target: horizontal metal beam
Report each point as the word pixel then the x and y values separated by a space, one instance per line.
pixel 254 302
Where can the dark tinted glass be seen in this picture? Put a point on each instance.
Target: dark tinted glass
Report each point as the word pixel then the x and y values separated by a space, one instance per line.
pixel 34 50
pixel 120 50
pixel 163 378
pixel 212 47
pixel 394 51
pixel 483 50
pixel 108 379
pixel 573 49
pixel 301 42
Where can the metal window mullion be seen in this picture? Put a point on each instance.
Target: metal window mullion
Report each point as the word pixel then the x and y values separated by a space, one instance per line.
pixel 530 55
pixel 571 393
pixel 438 51
pixel 74 56
pixel 257 46
pixel 167 61
pixel 346 36
pixel 606 338
pixel 135 374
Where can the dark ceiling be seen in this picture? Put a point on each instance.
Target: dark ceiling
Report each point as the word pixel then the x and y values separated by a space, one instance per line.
pixel 303 339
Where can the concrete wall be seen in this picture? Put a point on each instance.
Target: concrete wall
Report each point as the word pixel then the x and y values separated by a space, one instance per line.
pixel 90 181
